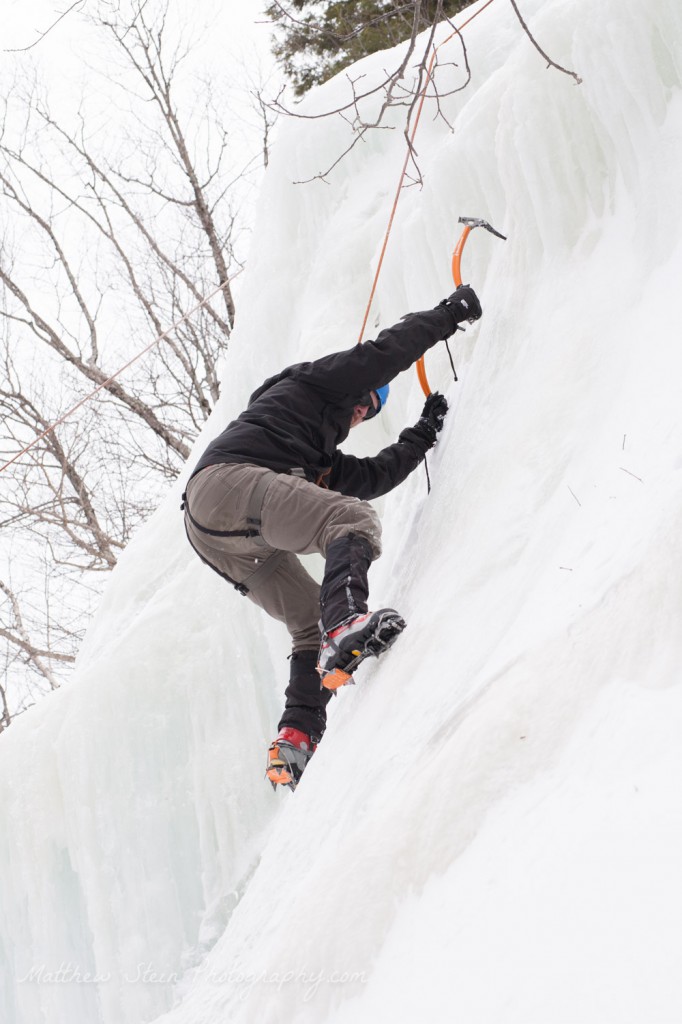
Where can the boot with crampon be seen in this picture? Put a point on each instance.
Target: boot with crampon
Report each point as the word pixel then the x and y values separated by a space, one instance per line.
pixel 348 644
pixel 287 757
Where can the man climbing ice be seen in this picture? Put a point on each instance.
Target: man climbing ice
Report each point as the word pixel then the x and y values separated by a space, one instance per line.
pixel 273 485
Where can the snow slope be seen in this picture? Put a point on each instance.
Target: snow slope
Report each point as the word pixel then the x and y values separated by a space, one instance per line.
pixel 492 828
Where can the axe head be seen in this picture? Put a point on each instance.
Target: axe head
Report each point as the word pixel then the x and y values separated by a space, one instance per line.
pixel 477 222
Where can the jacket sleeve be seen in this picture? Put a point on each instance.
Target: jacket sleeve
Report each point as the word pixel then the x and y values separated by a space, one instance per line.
pixel 370 478
pixel 375 363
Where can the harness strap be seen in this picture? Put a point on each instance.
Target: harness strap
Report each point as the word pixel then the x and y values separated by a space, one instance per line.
pixel 264 570
pixel 237 586
pixel 253 517
pixel 256 502
pixel 322 478
pixel 184 507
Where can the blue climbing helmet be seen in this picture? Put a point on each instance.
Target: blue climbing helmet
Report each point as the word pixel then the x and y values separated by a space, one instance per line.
pixel 382 395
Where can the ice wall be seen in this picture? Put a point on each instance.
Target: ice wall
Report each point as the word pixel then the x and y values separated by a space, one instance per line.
pixel 492 829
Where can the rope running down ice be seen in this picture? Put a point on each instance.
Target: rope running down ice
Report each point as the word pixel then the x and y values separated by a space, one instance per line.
pixel 422 97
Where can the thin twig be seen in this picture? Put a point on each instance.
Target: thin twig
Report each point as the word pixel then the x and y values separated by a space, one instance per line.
pixel 23 49
pixel 550 62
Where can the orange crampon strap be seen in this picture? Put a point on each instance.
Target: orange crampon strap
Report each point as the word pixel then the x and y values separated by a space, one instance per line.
pixel 337 678
pixel 278 769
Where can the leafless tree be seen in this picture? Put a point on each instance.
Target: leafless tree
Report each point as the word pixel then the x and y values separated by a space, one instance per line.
pixel 109 238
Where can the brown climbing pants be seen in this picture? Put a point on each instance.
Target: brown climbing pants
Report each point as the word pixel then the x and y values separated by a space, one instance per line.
pixel 296 517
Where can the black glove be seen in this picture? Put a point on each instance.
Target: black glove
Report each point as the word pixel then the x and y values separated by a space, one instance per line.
pixel 425 431
pixel 463 304
pixel 435 408
pixel 422 435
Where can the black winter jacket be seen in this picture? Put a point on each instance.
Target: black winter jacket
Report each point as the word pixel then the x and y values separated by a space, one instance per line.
pixel 297 419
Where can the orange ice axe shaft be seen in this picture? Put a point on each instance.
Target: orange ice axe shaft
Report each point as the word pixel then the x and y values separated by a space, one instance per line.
pixel 469 224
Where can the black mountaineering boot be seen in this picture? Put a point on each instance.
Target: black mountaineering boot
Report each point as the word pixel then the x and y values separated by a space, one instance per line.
pixel 347 646
pixel 305 704
pixel 350 633
pixel 287 757
pixel 344 589
pixel 302 723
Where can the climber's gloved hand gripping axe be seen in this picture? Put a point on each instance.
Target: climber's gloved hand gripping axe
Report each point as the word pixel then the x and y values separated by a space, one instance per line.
pixel 469 224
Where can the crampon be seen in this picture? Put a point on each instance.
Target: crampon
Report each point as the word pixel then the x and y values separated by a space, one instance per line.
pixel 287 757
pixel 347 646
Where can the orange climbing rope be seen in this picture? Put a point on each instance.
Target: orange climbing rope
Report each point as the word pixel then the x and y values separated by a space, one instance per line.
pixel 422 97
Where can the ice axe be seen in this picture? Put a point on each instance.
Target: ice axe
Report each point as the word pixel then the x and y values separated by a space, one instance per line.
pixel 469 224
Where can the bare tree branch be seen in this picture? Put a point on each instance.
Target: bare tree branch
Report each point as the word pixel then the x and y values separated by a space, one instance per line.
pixel 145 53
pixel 550 62
pixel 46 333
pixel 19 637
pixel 24 49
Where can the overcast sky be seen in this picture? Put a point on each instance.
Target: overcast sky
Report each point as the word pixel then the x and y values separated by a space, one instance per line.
pixel 33 35
pixel 75 63
pixel 24 22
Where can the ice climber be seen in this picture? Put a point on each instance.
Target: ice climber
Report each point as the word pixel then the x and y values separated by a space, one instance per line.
pixel 274 484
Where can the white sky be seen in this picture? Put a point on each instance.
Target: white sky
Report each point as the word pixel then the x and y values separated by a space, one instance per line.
pixel 230 52
pixel 231 34
pixel 23 23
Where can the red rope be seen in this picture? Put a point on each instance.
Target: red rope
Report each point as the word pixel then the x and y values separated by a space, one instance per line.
pixel 113 377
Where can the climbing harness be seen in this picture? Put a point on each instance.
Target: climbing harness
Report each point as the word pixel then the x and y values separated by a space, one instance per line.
pixel 253 519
